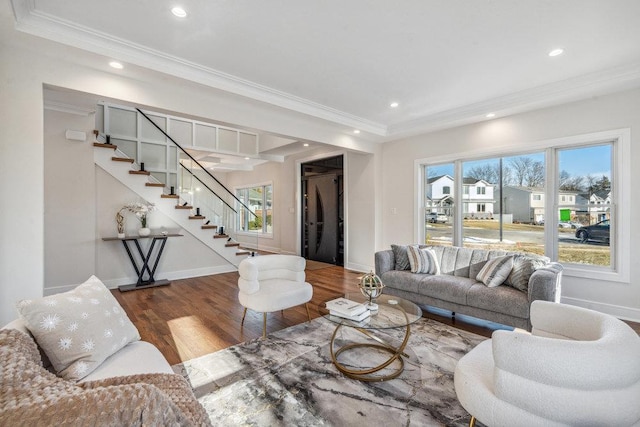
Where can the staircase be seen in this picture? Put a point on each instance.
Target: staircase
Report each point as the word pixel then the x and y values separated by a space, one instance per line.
pixel 122 168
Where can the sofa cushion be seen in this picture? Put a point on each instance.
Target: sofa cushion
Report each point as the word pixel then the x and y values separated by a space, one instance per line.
pixel 78 329
pixel 503 299
pixel 401 256
pixel 495 271
pixel 401 279
pixel 445 287
pixel 423 260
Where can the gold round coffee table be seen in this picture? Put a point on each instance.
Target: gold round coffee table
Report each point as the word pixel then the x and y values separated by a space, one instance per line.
pixel 393 313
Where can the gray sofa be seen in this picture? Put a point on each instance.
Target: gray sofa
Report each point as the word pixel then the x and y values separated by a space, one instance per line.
pixel 456 288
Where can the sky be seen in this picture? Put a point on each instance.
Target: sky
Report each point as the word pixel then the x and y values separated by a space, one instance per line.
pixel 581 161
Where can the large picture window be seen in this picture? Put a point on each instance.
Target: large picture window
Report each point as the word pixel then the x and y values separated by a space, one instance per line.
pixel 564 200
pixel 259 199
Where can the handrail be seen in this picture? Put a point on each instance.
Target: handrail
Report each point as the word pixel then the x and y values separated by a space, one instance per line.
pixel 197 163
pixel 207 187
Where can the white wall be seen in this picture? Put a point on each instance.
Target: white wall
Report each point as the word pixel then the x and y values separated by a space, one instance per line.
pixel 26 64
pixel 69 201
pixel 597 114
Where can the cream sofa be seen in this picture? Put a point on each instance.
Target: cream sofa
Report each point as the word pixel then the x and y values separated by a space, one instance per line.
pixel 138 357
pixel 75 359
pixel 457 289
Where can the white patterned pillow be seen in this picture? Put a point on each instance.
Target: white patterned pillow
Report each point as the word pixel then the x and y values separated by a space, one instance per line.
pixel 78 329
pixel 423 260
pixel 495 271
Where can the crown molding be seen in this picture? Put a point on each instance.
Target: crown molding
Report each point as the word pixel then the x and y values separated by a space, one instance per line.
pixel 34 22
pixel 67 108
pixel 574 89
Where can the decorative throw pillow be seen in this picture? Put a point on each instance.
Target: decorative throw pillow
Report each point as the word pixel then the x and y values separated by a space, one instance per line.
pixel 495 271
pixel 423 260
pixel 401 257
pixel 78 329
pixel 523 268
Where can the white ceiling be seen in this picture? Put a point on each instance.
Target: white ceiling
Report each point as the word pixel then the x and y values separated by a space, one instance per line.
pixel 445 62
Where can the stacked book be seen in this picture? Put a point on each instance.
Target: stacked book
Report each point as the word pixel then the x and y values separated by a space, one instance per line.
pixel 348 309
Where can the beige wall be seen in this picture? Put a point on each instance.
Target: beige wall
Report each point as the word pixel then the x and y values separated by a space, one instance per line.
pixel 598 114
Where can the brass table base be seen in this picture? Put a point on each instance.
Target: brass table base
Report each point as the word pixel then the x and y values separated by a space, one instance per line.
pixel 368 374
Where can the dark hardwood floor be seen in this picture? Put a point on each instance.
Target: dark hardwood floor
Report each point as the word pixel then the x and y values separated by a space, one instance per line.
pixel 197 316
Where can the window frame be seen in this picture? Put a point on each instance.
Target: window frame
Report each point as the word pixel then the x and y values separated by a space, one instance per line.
pixel 620 139
pixel 239 224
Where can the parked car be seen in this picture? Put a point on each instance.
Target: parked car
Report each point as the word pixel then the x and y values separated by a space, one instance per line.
pixel 598 231
pixel 435 217
pixel 569 224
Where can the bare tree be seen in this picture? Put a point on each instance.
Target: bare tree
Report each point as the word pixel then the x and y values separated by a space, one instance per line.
pixel 527 172
pixel 571 183
pixel 487 172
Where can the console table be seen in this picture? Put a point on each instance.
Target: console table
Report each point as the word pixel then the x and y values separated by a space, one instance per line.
pixel 146 259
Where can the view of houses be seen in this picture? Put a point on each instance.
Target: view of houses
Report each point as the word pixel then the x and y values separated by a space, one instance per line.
pixel 481 200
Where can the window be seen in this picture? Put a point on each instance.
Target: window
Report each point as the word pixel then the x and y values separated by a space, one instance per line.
pixel 588 172
pixel 481 190
pixel 466 189
pixel 258 199
pixel 581 218
pixel 438 206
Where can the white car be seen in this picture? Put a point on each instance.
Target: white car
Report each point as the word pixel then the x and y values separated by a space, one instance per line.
pixel 435 217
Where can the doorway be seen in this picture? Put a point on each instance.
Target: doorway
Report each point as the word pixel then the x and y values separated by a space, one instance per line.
pixel 323 210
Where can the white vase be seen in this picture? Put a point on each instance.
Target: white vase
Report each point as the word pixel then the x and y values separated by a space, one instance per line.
pixel 144 231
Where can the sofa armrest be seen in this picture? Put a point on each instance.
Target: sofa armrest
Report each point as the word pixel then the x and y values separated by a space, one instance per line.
pixel 545 283
pixel 385 261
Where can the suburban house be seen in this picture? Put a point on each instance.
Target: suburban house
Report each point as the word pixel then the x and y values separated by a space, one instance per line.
pixel 478 198
pixel 527 204
pixel 57 205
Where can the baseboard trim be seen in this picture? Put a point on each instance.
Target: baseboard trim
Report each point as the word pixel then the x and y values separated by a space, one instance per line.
pixel 619 311
pixel 358 267
pixel 171 275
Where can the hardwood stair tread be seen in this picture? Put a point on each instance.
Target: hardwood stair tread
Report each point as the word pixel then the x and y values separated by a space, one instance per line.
pixel 154 184
pixel 196 217
pixel 122 159
pixel 220 236
pixel 229 244
pixel 184 207
pixel 101 145
pixel 243 252
pixel 169 196
pixel 209 227
pixel 140 172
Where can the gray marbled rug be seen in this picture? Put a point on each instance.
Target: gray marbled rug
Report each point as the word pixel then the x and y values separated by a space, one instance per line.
pixel 289 379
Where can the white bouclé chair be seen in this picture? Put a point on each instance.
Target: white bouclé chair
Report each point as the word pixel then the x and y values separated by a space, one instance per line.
pixel 578 367
pixel 271 283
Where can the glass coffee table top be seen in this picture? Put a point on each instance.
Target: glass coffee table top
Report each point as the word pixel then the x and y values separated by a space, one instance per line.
pixel 393 312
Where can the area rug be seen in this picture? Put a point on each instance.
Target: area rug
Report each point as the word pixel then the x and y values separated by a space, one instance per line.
pixel 289 379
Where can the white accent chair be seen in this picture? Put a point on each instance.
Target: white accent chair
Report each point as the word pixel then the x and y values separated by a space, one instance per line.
pixel 270 283
pixel 577 367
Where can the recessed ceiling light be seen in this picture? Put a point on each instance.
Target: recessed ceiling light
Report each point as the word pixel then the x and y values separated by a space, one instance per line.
pixel 116 65
pixel 246 158
pixel 179 12
pixel 556 52
pixel 393 105
pixel 356 131
pixel 306 144
pixel 490 115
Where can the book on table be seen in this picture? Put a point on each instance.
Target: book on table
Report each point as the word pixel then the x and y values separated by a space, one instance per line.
pixel 345 306
pixel 356 317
